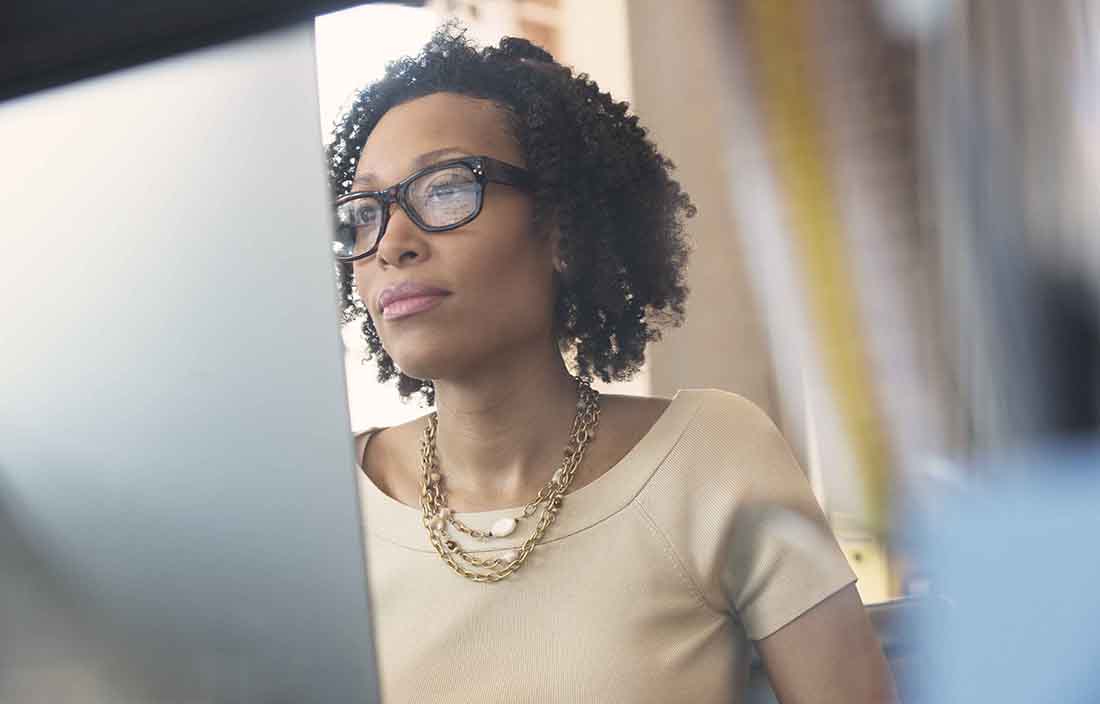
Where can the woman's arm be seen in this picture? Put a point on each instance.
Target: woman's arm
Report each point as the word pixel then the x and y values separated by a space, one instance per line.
pixel 828 654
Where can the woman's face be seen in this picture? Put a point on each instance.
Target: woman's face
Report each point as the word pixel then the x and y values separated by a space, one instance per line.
pixel 498 274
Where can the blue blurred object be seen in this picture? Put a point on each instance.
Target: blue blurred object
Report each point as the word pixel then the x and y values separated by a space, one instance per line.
pixel 1016 565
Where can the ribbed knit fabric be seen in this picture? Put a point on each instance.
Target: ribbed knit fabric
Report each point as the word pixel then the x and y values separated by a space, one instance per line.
pixel 648 587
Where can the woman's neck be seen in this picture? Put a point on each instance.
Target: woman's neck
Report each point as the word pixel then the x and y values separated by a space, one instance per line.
pixel 500 437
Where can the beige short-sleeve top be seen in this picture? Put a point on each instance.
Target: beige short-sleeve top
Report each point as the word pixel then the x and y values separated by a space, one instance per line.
pixel 648 587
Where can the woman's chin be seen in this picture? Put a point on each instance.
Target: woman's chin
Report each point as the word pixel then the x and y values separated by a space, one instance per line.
pixel 422 368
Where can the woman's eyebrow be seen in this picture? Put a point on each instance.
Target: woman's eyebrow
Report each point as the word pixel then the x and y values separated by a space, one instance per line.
pixel 428 157
pixel 425 159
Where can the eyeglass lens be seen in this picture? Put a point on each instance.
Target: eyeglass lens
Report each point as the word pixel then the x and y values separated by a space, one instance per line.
pixel 437 199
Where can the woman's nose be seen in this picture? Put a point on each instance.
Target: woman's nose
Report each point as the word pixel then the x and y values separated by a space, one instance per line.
pixel 402 242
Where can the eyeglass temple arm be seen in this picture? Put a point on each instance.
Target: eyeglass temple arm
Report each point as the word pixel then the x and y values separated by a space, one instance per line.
pixel 502 172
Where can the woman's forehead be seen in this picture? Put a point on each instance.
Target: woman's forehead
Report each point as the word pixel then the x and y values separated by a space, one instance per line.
pixel 438 125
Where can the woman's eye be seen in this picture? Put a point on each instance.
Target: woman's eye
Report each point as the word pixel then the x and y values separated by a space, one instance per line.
pixel 449 190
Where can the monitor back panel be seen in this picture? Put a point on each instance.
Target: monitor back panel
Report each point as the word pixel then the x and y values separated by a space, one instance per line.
pixel 177 488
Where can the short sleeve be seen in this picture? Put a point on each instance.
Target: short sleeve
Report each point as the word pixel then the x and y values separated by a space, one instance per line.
pixel 740 514
pixel 783 558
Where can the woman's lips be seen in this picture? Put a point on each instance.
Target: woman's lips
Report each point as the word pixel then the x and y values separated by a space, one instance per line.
pixel 404 307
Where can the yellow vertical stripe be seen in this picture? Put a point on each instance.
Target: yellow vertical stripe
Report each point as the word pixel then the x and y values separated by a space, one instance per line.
pixel 782 54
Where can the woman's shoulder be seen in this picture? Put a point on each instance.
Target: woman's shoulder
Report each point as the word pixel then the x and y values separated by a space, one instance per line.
pixel 725 414
pixel 723 400
pixel 720 428
pixel 704 417
pixel 381 437
pixel 710 400
pixel 738 409
pixel 382 453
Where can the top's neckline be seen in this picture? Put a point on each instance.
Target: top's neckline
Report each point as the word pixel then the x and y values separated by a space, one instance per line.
pixel 388 518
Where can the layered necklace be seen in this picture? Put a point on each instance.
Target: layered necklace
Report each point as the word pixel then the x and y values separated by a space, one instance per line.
pixel 438 518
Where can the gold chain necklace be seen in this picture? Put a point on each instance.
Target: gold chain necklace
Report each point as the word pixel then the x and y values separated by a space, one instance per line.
pixel 437 516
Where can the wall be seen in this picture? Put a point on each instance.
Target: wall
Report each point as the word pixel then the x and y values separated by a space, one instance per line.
pixel 677 71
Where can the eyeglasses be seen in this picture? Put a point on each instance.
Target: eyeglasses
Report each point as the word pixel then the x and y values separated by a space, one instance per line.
pixel 438 198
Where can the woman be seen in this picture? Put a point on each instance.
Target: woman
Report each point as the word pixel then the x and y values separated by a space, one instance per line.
pixel 533 540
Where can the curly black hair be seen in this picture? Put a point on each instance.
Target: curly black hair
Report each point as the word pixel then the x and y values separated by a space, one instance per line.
pixel 601 183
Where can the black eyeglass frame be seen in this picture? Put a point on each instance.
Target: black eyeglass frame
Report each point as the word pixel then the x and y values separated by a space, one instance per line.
pixel 484 168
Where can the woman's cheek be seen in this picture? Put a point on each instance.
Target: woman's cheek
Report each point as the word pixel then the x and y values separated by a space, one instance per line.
pixel 362 284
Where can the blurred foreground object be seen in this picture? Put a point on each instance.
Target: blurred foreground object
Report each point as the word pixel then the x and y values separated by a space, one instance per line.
pixel 179 519
pixel 1015 571
pixel 823 136
pixel 1006 531
pixel 1011 123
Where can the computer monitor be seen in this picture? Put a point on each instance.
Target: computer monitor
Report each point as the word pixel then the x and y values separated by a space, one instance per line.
pixel 179 519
